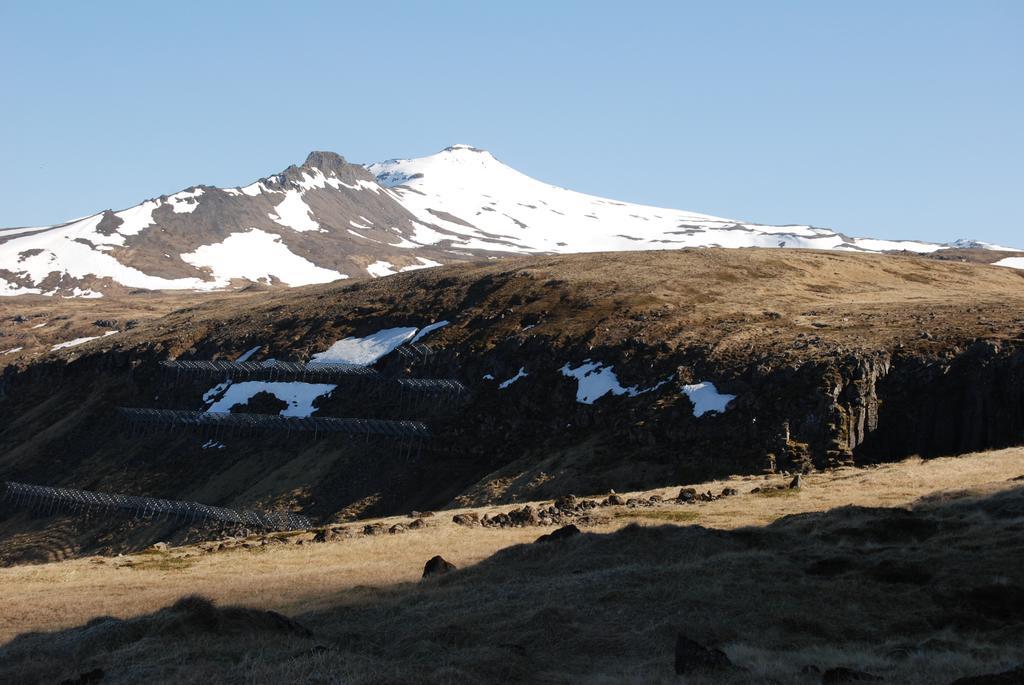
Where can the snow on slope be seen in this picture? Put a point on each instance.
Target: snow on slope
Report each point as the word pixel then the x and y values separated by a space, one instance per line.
pixel 78 250
pixel 257 256
pixel 1012 262
pixel 467 192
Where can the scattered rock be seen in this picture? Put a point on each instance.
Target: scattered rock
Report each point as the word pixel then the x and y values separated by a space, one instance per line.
pixel 374 529
pixel 420 514
pixel 692 656
pixel 687 495
pixel 469 519
pixel 527 516
pixel 729 492
pixel 841 676
pixel 795 483
pixel 560 534
pixel 320 536
pixel 417 524
pixel 158 547
pixel 614 500
pixel 437 566
pixel 566 503
pixel 396 529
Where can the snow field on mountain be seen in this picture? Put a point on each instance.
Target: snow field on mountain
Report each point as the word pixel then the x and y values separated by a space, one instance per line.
pixel 1012 262
pixel 62 250
pixel 257 255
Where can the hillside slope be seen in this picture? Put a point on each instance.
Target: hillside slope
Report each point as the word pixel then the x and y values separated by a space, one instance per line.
pixel 583 373
pixel 910 571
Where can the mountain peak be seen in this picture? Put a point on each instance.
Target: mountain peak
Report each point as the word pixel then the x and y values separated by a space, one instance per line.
pixel 325 161
pixel 460 147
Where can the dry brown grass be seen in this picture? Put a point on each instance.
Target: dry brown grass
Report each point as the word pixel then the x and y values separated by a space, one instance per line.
pixel 600 608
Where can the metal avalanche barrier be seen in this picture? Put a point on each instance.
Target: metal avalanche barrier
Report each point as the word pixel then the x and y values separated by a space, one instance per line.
pixel 268 370
pixel 68 500
pixel 200 419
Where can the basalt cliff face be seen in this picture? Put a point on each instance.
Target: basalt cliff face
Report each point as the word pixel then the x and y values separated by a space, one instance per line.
pixel 581 373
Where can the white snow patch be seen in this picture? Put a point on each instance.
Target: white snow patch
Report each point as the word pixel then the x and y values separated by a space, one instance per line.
pixel 364 351
pixel 134 219
pixel 594 380
pixel 212 444
pixel 40 325
pixel 87 293
pixel 299 396
pixel 1012 262
pixel 184 202
pixel 211 394
pixel 520 374
pixel 8 289
pixel 257 256
pixel 488 377
pixel 295 214
pixel 427 330
pixel 248 354
pixel 706 398
pixel 380 268
pixel 79 341
pixel 13 350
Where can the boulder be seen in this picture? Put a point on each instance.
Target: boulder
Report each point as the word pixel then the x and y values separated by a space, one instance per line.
pixel 468 519
pixel 795 483
pixel 436 566
pixel 559 534
pixel 692 656
pixel 566 503
pixel 527 516
pixel 729 492
pixel 396 529
pixel 417 524
pixel 687 494
pixel 614 500
pixel 320 536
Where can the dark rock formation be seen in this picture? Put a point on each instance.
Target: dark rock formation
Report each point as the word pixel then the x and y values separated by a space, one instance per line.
pixel 437 566
pixel 560 534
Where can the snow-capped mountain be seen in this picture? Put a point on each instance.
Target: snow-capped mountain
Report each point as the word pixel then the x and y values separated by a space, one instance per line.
pixel 328 219
pixel 468 192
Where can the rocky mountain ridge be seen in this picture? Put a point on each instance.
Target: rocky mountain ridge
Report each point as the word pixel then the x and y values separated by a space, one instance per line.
pixel 328 219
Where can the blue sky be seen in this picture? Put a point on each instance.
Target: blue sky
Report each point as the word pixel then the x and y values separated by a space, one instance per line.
pixel 895 119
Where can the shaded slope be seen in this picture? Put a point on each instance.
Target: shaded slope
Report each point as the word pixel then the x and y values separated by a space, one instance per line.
pixel 831 358
pixel 905 593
